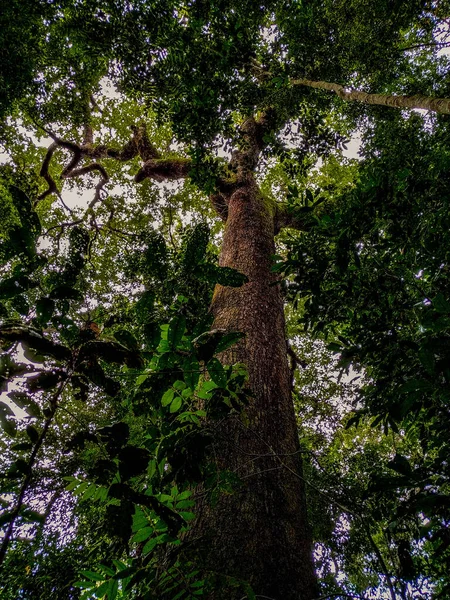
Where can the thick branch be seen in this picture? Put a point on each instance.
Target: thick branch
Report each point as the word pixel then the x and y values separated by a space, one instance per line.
pixel 164 169
pixel 253 138
pixel 52 189
pixel 438 45
pixel 35 340
pixel 139 145
pixel 439 105
pixel 107 350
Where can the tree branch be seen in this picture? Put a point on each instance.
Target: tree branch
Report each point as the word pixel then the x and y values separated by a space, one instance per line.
pixel 340 595
pixel 139 145
pixel 164 169
pixel 253 140
pixel 439 105
pixel 427 45
pixel 89 169
pixel 295 361
pixel 417 101
pixel 35 340
pixel 52 189
pixel 29 470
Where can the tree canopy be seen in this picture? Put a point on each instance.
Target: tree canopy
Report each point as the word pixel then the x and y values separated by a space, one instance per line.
pixel 152 155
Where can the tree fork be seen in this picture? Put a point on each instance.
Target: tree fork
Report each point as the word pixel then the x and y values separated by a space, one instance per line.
pixel 258 534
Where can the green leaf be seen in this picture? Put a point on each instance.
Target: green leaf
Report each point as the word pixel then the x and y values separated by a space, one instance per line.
pixel 187 393
pixel 32 355
pixel 179 385
pixel 184 495
pixel 7 424
pixel 182 504
pixel 163 347
pixel 177 327
pixel 93 576
pixel 120 566
pixel 113 589
pixel 107 570
pixel 33 409
pixel 187 516
pixel 353 421
pixel 73 483
pixel 32 433
pixel 176 404
pixel 142 535
pixel 149 546
pixel 205 390
pixel 228 340
pixel 79 490
pixel 101 590
pixel 84 584
pixel 32 515
pixel 45 308
pixel 151 470
pixel 127 339
pixel 217 373
pixel 400 464
pixel 125 572
pixel 92 488
pixel 191 371
pixel 378 419
pixel 143 377
pixel 22 447
pixel 167 397
pixel 25 401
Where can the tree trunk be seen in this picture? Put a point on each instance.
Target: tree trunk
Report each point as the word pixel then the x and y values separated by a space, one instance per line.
pixel 259 533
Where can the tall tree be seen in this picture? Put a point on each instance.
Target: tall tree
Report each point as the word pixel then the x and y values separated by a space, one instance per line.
pixel 241 89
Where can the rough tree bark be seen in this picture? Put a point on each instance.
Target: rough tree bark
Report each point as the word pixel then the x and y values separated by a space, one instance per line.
pixel 260 533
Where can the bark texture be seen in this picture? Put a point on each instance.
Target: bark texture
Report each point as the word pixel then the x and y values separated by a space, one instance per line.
pixel 260 532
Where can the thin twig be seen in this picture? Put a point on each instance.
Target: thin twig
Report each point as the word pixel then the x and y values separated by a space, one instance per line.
pixel 340 595
pixel 29 470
